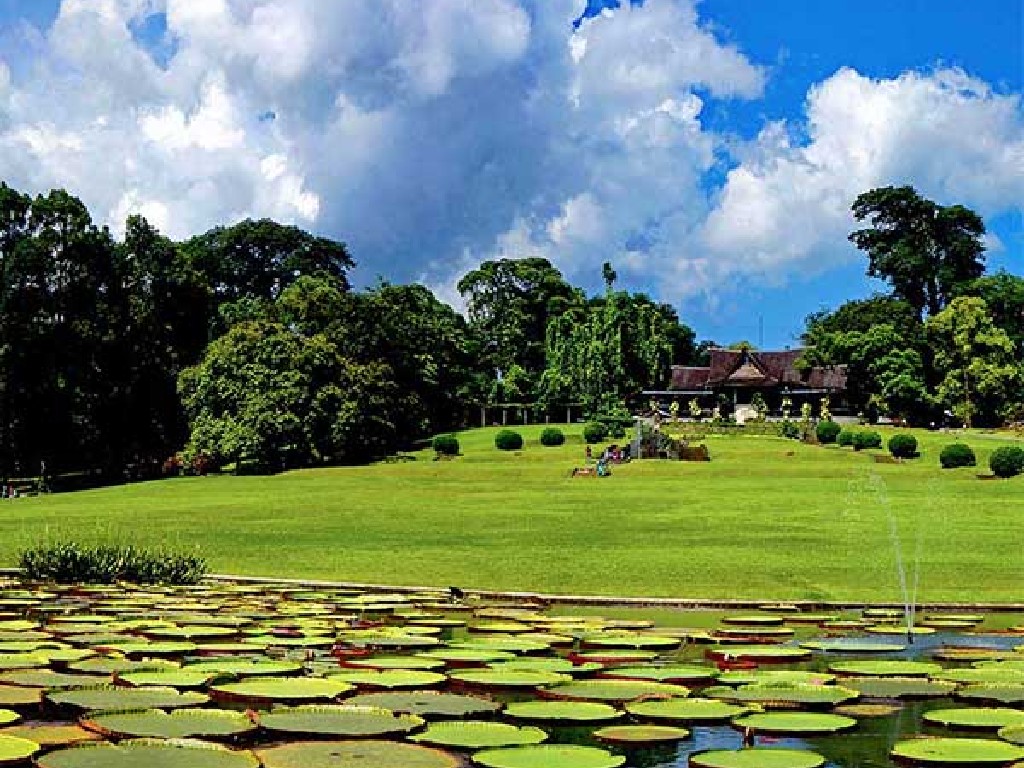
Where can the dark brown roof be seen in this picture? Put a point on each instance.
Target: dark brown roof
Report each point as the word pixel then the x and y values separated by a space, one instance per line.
pixel 740 368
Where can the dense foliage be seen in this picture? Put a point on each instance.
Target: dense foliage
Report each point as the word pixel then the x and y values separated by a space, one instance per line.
pixel 594 432
pixel 903 446
pixel 508 440
pixel 957 455
pixel 552 437
pixel 845 438
pixel 864 439
pixel 1007 461
pixel 446 445
pixel 827 432
pixel 72 563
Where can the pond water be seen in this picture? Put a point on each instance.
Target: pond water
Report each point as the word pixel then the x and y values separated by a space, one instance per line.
pixel 56 643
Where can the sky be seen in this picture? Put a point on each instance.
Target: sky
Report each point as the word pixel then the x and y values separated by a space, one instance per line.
pixel 710 150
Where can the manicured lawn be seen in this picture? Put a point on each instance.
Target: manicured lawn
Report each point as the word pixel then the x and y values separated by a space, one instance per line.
pixel 767 518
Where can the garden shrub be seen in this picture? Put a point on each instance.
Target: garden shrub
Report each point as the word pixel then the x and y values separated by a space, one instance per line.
pixel 551 437
pixel 845 438
pixel 957 455
pixel 70 562
pixel 508 440
pixel 594 432
pixel 1007 461
pixel 790 430
pixel 866 439
pixel 827 432
pixel 446 445
pixel 903 446
pixel 616 430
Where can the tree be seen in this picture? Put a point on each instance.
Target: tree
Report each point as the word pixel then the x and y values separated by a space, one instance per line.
pixel 925 251
pixel 510 302
pixel 977 360
pixel 267 396
pixel 1004 295
pixel 861 315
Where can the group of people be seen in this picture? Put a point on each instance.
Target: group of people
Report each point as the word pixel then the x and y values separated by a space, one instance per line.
pixel 613 454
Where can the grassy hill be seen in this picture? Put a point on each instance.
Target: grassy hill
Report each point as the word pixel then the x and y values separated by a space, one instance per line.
pixel 767 518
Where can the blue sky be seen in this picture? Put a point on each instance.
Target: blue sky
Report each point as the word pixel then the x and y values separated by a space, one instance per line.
pixel 709 149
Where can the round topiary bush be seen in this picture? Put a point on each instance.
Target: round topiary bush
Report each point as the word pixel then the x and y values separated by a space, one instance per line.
pixel 845 438
pixel 446 445
pixel 617 431
pixel 957 455
pixel 903 446
pixel 1007 461
pixel 508 440
pixel 790 429
pixel 551 437
pixel 827 432
pixel 594 432
pixel 866 439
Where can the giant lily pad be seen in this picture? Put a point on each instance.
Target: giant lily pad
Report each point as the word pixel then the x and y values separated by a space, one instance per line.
pixel 847 645
pixel 900 687
pixel 7 717
pixel 45 678
pixel 548 756
pixel 757 757
pixel 280 689
pixel 763 653
pixel 179 723
pixel 150 753
pixel 395 662
pixel 630 640
pixel 1004 693
pixel 548 664
pixel 687 710
pixel 427 703
pixel 354 754
pixel 173 678
pixel 112 665
pixel 785 694
pixel 640 734
pixel 339 721
pixel 509 678
pixel 245 667
pixel 668 673
pixel 14 749
pixel 1013 734
pixel 562 711
pixel 108 697
pixel 388 678
pixel 958 751
pixel 479 734
pixel 795 722
pixel 752 676
pixel 896 668
pixel 18 696
pixel 612 690
pixel 52 735
pixel 976 717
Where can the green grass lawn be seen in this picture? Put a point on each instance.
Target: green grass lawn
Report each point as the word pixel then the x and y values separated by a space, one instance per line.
pixel 767 519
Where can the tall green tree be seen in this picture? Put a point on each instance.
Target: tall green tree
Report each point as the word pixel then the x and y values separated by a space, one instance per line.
pixel 925 251
pixel 510 302
pixel 1004 296
pixel 979 365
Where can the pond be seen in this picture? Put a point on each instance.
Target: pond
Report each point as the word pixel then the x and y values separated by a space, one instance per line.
pixel 282 676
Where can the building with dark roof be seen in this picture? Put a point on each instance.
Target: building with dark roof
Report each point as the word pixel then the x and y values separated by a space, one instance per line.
pixel 735 375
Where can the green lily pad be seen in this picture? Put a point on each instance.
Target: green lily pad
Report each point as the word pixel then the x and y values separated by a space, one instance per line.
pixel 1012 733
pixel 150 649
pixel 548 756
pixel 427 703
pixel 900 687
pixel 468 655
pixel 244 667
pixel 687 710
pixel 630 640
pixel 1004 693
pixel 395 662
pixel 173 678
pixel 757 757
pixel 479 734
pixel 29 660
pixel 895 668
pixel 784 694
pixel 108 697
pixel 512 644
pixel 764 653
pixel 562 711
pixel 338 721
pixel 280 689
pixel 897 629
pixel 52 735
pixel 150 753
pixel 867 710
pixel 982 675
pixel 794 722
pixel 388 678
pixel 354 754
pixel 548 664
pixel 511 678
pixel 668 673
pixel 843 645
pixel 966 653
pixel 18 696
pixel 112 665
pixel 177 724
pixel 975 717
pixel 640 734
pixel 8 717
pixel 612 690
pixel 768 676
pixel 14 749
pixel 957 751
pixel 45 678
pixel 614 657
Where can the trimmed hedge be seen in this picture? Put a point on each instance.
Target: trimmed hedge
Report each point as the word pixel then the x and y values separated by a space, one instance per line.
pixel 845 438
pixel 446 445
pixel 508 440
pixel 903 446
pixel 594 432
pixel 790 429
pixel 72 563
pixel 552 436
pixel 866 439
pixel 957 455
pixel 827 432
pixel 1007 461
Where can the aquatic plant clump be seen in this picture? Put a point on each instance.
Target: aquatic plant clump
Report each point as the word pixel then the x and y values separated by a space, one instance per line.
pixel 560 755
pixel 958 751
